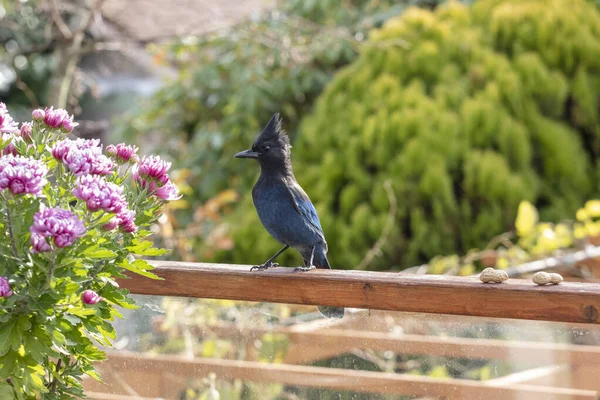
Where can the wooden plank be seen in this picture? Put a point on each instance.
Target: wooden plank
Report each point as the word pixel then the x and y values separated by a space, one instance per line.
pixel 586 376
pixel 110 396
pixel 516 298
pixel 340 379
pixel 536 353
pixel 309 346
pixel 549 375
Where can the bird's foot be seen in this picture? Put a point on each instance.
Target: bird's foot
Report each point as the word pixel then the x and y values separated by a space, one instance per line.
pixel 265 266
pixel 304 269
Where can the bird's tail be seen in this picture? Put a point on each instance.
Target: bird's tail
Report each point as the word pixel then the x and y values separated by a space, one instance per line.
pixel 327 311
pixel 331 312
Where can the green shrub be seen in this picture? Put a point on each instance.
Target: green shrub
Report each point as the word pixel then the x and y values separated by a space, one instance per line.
pixel 468 111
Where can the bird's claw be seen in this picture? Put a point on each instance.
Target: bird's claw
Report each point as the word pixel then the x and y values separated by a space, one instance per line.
pixel 304 269
pixel 263 267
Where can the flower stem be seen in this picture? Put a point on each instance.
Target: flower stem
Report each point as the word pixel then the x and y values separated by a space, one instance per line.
pixel 55 380
pixel 50 271
pixel 13 243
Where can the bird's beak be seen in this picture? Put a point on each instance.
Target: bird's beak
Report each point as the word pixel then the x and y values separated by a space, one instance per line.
pixel 247 154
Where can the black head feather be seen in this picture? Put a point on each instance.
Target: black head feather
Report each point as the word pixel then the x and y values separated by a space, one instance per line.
pixel 273 134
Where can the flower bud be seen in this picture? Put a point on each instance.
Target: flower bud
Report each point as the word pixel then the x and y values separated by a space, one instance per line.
pixel 90 297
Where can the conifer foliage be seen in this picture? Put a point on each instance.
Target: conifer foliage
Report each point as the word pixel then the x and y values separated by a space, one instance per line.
pixel 467 110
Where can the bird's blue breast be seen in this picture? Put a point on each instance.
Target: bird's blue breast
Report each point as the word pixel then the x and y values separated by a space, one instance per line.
pixel 289 219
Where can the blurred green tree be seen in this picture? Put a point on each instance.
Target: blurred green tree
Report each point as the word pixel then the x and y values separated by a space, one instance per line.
pixel 228 85
pixel 466 111
pixel 42 44
pixel 231 81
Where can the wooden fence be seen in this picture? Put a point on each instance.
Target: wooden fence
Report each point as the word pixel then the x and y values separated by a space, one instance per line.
pixel 552 370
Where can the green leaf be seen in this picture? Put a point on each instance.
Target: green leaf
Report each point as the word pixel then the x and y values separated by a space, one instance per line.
pixel 9 336
pixel 93 374
pixel 6 391
pixel 139 267
pixel 145 249
pixel 23 323
pixel 8 363
pixel 82 311
pixel 36 349
pixel 33 377
pixel 58 339
pixel 93 353
pixel 95 252
pixel 72 319
pixel 70 288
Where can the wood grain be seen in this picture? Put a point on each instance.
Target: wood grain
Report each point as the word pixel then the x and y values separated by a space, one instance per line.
pixel 516 298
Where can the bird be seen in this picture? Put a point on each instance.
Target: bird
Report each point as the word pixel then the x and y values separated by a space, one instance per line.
pixel 283 207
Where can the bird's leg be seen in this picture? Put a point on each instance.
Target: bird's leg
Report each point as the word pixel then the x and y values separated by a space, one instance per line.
pixel 269 263
pixel 310 263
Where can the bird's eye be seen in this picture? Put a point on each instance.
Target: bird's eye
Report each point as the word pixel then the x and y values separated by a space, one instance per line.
pixel 266 148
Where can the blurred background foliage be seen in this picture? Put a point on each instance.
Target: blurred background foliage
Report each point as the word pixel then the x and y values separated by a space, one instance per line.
pixel 467 111
pixel 228 85
pixel 38 60
pixel 25 62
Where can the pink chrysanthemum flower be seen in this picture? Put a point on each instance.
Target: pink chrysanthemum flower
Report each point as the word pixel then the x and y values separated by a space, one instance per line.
pixel 26 131
pixel 82 156
pixel 59 118
pixel 61 226
pixel 151 172
pixel 7 124
pixel 5 290
pixel 90 297
pixel 125 220
pixel 10 148
pixel 87 161
pixel 123 153
pixel 99 194
pixel 22 175
pixel 168 192
pixel 38 114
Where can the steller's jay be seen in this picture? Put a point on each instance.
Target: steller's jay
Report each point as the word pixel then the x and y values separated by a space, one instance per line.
pixel 282 205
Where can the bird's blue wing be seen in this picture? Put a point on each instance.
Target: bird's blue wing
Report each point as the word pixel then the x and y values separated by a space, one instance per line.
pixel 305 207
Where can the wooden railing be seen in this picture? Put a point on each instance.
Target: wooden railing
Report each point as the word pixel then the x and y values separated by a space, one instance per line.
pixel 550 370
pixel 440 294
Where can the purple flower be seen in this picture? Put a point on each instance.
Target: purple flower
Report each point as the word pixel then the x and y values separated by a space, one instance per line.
pixel 38 114
pixel 26 130
pixel 61 148
pixel 112 224
pixel 123 153
pixel 5 290
pixel 10 147
pixel 151 172
pixel 68 125
pixel 55 223
pixel 90 297
pixel 82 156
pixel 22 175
pixel 87 161
pixel 7 125
pixel 99 194
pixel 168 192
pixel 39 244
pixel 127 221
pixel 59 118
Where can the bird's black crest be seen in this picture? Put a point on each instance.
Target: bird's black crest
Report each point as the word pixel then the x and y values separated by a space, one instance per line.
pixel 274 132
